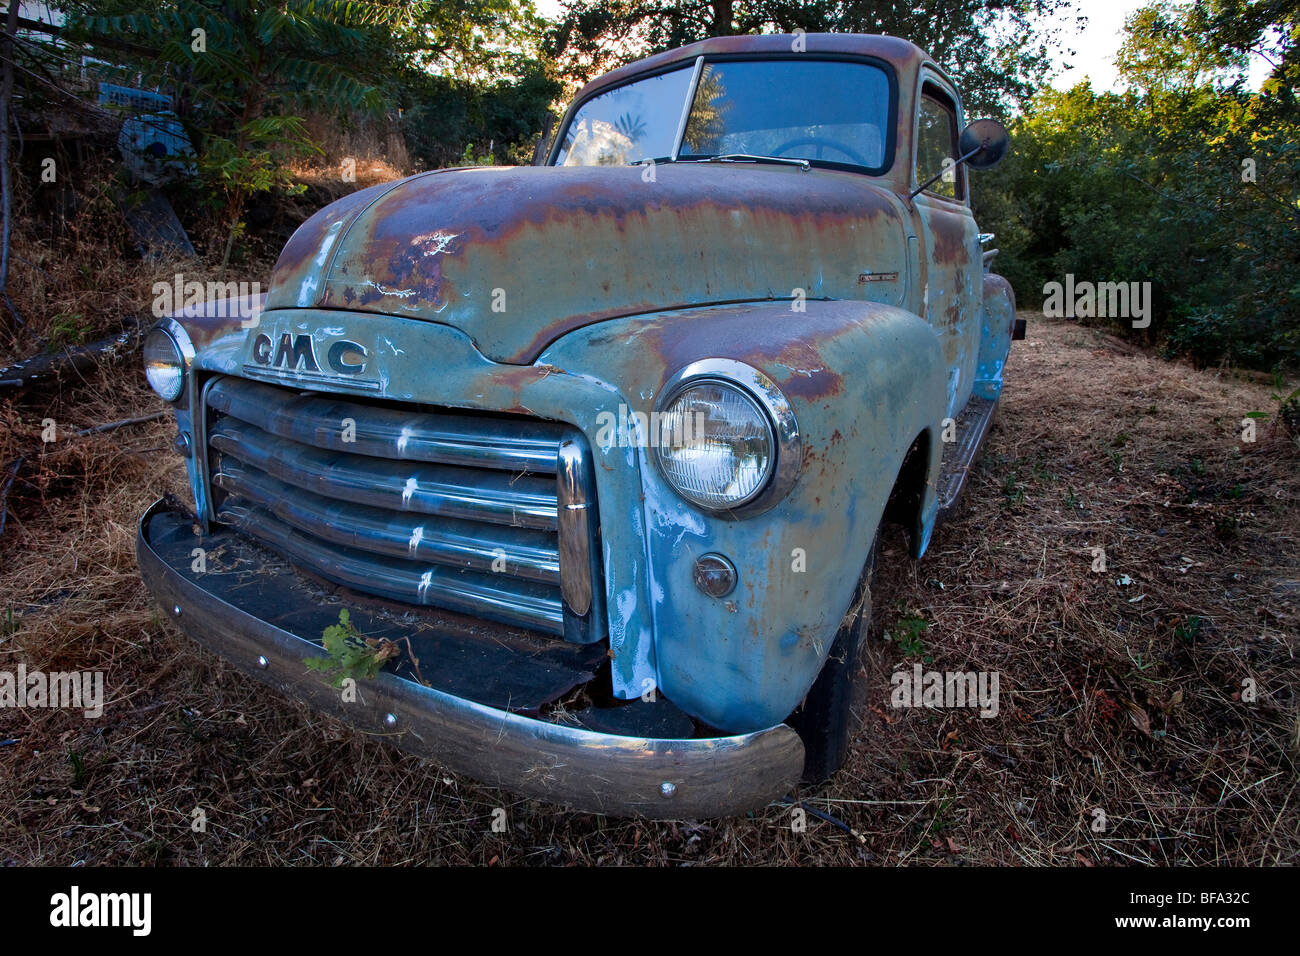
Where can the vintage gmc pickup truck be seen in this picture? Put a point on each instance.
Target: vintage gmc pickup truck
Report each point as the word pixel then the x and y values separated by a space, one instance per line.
pixel 603 444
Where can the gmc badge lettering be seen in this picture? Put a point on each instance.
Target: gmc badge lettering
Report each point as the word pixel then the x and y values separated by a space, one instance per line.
pixel 295 352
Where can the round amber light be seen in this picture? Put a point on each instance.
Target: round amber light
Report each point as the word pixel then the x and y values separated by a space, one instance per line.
pixel 715 575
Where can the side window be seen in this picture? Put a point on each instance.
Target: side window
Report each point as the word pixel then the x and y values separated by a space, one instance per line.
pixel 936 144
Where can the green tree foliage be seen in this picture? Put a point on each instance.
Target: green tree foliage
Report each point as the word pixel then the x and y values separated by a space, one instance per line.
pixel 471 39
pixel 231 61
pixel 1187 180
pixel 241 69
pixel 500 121
pixel 1000 48
pixel 465 73
pixel 476 84
pixel 474 81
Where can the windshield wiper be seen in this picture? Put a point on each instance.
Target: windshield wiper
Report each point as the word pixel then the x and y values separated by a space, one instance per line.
pixel 803 164
pixel 753 158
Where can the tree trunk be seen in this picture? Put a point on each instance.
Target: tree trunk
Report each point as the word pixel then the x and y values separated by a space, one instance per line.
pixel 6 184
pixel 723 12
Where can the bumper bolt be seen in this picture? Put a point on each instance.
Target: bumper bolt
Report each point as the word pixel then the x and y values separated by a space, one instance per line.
pixel 667 790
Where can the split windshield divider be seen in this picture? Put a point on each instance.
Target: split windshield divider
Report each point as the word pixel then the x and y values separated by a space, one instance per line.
pixel 686 107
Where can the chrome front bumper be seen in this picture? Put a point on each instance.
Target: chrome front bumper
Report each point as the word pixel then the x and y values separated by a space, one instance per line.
pixel 602 773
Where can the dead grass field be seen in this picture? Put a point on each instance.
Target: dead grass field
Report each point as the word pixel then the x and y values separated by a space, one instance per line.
pixel 1123 698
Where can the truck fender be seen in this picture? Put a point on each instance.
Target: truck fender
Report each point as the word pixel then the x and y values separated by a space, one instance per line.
pixel 997 328
pixel 865 380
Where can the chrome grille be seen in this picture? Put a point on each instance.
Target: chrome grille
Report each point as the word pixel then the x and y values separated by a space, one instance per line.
pixel 487 516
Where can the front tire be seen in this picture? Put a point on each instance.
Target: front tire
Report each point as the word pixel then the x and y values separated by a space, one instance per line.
pixel 824 721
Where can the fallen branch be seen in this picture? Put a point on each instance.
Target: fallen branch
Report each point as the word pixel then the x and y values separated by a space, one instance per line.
pixel 11 474
pixel 78 358
pixel 114 426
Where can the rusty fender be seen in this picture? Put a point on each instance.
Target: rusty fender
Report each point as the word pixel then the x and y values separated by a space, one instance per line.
pixel 865 380
pixel 997 326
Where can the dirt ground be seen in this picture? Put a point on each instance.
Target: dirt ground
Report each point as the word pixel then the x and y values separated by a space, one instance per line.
pixel 1148 712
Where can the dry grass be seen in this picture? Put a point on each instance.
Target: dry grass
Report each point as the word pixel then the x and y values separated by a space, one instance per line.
pixel 367 170
pixel 1123 698
pixel 76 276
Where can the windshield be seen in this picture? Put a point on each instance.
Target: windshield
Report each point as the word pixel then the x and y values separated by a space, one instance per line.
pixel 629 123
pixel 831 112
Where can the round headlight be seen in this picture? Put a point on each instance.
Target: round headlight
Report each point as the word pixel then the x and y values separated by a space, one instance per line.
pixel 715 445
pixel 164 366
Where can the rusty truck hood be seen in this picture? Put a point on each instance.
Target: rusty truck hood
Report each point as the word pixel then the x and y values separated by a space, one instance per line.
pixel 517 257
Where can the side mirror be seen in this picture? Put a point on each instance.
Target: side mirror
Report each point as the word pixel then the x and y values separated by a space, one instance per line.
pixel 984 143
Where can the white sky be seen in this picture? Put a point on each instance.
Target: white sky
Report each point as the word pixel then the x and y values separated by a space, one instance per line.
pixel 1094 47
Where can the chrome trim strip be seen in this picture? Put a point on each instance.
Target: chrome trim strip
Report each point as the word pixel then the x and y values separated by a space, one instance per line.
pixel 492 596
pixel 290 379
pixel 423 491
pixel 478 495
pixel 514 552
pixel 575 537
pixel 317 419
pixel 202 451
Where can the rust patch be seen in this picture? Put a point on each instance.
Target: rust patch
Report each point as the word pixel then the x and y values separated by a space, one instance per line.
pixel 948 232
pixel 790 350
pixel 206 323
pixel 296 260
pixel 574 246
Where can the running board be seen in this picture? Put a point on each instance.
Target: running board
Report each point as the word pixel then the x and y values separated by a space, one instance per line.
pixel 972 427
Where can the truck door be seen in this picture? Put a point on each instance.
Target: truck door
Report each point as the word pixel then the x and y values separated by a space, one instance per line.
pixel 950 269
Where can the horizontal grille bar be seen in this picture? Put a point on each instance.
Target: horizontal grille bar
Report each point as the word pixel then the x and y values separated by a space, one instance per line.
pixel 521 552
pixel 509 600
pixel 480 513
pixel 473 494
pixel 386 432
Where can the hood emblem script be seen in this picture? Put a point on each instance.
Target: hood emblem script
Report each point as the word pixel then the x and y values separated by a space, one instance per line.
pixel 297 355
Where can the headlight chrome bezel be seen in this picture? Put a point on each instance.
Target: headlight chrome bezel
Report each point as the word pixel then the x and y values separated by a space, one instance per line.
pixel 762 392
pixel 184 348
